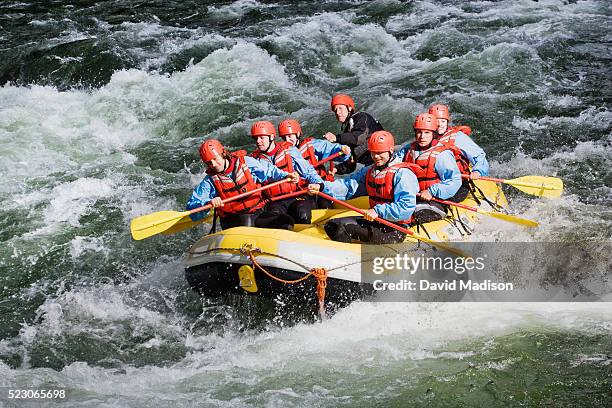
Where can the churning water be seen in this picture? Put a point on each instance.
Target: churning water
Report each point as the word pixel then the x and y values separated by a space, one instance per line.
pixel 102 108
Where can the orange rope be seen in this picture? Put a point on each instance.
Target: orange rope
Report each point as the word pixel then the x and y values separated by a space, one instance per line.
pixel 319 273
pixel 274 277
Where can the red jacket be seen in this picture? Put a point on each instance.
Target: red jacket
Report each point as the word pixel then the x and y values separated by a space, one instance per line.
pixel 281 158
pixel 236 179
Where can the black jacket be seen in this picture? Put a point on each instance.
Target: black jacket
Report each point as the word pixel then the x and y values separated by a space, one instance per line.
pixel 355 133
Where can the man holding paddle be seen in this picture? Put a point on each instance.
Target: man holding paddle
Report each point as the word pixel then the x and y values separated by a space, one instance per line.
pixel 287 157
pixel 231 174
pixel 391 187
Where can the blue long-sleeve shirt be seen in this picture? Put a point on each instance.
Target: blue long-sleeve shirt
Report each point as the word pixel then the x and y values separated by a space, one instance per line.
pixel 450 176
pixel 405 188
pixel 324 148
pixel 303 168
pixel 261 171
pixel 473 152
pixel 447 170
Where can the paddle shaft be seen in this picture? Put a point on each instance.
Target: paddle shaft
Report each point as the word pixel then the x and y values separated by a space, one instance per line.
pixel 300 192
pixel 511 182
pixel 289 195
pixel 360 211
pixel 467 207
pixel 331 157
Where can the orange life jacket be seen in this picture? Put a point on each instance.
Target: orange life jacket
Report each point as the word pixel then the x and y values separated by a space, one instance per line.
pixel 236 179
pixel 454 129
pixel 308 153
pixel 462 161
pixel 380 186
pixel 426 161
pixel 281 158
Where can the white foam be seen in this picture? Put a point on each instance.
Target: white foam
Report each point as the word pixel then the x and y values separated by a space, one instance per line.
pixel 73 312
pixel 425 13
pixel 233 11
pixel 364 50
pixel 152 44
pixel 80 245
pixel 72 200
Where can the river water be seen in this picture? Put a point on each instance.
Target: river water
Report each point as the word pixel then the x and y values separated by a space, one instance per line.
pixel 102 108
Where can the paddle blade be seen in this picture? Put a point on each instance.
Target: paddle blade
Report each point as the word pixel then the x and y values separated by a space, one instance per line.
pixel 184 224
pixel 511 218
pixel 153 224
pixel 541 186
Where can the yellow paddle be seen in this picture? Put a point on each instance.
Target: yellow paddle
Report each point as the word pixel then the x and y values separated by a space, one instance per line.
pixel 187 223
pixel 541 186
pixel 397 227
pixel 159 222
pixel 506 217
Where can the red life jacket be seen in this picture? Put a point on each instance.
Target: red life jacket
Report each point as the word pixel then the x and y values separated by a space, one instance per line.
pixel 281 158
pixel 462 161
pixel 308 153
pixel 426 161
pixel 236 179
pixel 454 129
pixel 380 186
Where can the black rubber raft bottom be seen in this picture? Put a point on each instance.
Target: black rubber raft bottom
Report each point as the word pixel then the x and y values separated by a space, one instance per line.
pixel 218 279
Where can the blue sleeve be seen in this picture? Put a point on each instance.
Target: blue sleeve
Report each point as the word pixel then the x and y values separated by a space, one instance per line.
pixel 473 152
pixel 263 170
pixel 324 148
pixel 348 187
pixel 203 193
pixel 449 174
pixel 304 169
pixel 402 151
pixel 405 188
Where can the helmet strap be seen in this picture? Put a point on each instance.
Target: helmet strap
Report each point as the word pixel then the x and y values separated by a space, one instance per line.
pixel 270 143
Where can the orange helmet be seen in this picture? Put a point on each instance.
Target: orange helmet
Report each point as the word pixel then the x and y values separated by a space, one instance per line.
pixel 342 99
pixel 210 149
pixel 289 127
pixel 439 111
pixel 263 128
pixel 381 141
pixel 425 121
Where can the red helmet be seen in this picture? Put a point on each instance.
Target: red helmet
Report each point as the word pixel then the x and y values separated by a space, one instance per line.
pixel 381 141
pixel 210 149
pixel 425 121
pixel 289 127
pixel 342 99
pixel 263 128
pixel 440 111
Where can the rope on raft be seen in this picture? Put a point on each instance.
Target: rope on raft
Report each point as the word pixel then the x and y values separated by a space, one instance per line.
pixel 319 273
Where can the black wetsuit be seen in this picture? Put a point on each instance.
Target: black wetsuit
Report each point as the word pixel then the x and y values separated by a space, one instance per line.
pixel 260 219
pixel 355 132
pixel 299 209
pixel 347 229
